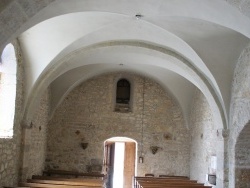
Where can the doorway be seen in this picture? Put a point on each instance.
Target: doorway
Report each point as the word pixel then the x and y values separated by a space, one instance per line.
pixel 120 162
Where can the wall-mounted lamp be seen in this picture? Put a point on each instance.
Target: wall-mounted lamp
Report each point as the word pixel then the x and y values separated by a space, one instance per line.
pixel 138 16
pixel 154 149
pixel 84 145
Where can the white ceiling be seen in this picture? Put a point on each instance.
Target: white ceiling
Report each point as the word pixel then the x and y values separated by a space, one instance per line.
pixel 180 44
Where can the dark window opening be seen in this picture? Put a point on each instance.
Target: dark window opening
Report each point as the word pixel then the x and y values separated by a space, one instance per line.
pixel 123 92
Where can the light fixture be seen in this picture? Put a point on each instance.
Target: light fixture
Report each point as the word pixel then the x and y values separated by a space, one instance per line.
pixel 154 149
pixel 138 16
pixel 84 145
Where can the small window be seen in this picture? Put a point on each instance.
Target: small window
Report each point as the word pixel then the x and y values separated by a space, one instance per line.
pixel 123 92
pixel 7 91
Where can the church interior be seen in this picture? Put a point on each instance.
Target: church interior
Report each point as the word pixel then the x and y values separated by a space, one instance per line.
pixel 128 88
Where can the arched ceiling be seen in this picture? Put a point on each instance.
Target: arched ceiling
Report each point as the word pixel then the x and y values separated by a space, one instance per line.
pixel 180 44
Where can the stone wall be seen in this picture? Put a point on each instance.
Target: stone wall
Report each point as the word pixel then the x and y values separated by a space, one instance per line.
pixel 35 140
pixel 203 138
pixel 242 5
pixel 242 159
pixel 14 14
pixel 240 109
pixel 26 159
pixel 87 115
pixel 10 147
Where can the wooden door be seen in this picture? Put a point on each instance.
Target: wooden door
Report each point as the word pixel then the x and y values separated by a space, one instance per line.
pixel 129 164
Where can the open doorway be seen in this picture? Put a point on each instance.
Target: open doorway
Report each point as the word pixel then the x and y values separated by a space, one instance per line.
pixel 120 162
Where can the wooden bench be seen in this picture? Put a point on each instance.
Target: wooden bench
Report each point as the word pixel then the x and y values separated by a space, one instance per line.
pixel 35 177
pixel 44 185
pixel 86 182
pixel 47 181
pixel 164 179
pixel 167 182
pixel 168 176
pixel 63 182
pixel 72 173
pixel 175 186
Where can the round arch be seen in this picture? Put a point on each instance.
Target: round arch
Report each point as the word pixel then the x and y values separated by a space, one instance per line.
pixel 239 115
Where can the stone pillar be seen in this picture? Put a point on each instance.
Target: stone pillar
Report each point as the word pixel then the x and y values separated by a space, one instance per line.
pixel 222 158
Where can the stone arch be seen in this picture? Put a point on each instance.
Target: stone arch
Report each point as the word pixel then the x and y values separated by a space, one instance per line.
pixel 118 138
pixel 122 139
pixel 239 109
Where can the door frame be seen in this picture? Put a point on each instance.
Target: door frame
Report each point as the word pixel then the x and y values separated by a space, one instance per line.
pixel 108 157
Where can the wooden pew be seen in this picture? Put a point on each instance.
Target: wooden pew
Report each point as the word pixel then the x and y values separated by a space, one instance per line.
pixel 172 186
pixel 72 173
pixel 64 182
pixel 35 177
pixel 86 182
pixel 161 179
pixel 164 177
pixel 179 178
pixel 14 187
pixel 43 185
pixel 167 182
pixel 146 184
pixel 168 176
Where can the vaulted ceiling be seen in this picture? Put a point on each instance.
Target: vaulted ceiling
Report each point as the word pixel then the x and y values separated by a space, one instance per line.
pixel 180 44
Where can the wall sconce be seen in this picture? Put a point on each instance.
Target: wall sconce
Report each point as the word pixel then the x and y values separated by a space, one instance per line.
pixel 84 145
pixel 154 149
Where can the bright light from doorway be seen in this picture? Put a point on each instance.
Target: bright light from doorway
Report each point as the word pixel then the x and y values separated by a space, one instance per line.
pixel 118 165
